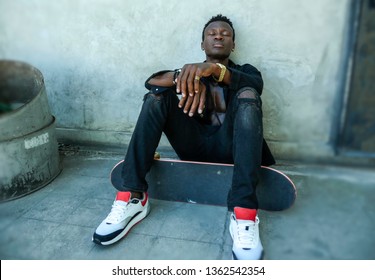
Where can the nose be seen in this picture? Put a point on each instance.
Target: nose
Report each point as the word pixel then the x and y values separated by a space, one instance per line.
pixel 218 36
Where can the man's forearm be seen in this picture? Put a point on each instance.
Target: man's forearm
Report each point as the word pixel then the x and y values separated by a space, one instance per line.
pixel 163 80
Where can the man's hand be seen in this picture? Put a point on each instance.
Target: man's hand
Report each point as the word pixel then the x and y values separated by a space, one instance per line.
pixel 188 80
pixel 190 103
pixel 192 89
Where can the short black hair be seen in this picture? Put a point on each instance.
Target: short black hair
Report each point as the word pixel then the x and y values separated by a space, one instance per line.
pixel 219 17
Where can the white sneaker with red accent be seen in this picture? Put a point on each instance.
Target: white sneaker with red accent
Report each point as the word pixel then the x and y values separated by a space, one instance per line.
pixel 244 229
pixel 125 213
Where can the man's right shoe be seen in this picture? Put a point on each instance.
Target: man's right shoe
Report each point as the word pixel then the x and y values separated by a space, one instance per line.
pixel 125 213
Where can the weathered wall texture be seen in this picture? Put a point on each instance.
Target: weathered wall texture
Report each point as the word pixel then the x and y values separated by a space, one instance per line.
pixel 95 56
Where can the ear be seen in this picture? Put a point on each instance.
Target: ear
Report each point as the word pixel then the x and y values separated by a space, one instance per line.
pixel 202 46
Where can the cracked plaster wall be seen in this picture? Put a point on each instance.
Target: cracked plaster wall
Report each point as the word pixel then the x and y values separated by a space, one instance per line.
pixel 95 56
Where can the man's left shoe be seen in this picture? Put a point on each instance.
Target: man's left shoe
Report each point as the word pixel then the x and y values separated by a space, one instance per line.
pixel 244 229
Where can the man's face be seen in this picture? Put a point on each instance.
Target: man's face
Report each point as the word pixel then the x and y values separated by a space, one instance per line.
pixel 218 40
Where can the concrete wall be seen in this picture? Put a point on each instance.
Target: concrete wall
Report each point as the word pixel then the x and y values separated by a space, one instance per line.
pixel 95 56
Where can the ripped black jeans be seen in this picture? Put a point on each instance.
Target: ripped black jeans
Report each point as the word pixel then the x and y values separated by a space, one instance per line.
pixel 238 140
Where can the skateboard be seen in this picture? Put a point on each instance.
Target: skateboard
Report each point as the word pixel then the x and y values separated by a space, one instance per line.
pixel 209 183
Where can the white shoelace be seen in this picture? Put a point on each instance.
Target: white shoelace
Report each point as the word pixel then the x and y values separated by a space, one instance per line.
pixel 117 212
pixel 246 233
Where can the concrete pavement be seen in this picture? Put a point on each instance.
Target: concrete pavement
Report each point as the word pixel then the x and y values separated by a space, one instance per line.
pixel 333 218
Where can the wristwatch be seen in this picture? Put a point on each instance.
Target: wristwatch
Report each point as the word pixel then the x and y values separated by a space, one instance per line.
pixel 222 72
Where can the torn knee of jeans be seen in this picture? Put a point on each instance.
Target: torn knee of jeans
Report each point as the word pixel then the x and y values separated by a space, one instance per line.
pixel 248 94
pixel 153 95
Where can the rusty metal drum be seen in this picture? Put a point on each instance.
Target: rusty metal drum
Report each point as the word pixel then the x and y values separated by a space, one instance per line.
pixel 29 156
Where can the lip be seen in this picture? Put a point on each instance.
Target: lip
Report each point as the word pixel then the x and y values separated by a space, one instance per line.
pixel 218 45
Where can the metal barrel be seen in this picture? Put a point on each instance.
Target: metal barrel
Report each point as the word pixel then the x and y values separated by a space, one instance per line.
pixel 29 157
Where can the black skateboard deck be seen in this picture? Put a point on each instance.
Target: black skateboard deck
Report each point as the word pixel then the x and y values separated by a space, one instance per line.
pixel 209 183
